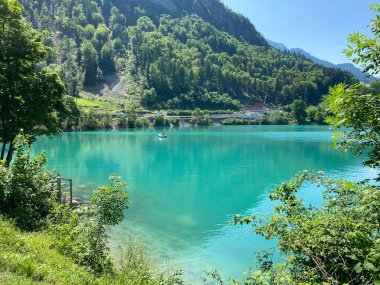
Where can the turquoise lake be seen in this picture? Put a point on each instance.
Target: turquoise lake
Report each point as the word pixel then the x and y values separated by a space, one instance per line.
pixel 184 190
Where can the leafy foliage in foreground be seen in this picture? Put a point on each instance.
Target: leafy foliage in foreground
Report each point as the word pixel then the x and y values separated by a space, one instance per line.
pixel 359 115
pixel 356 109
pixel 364 50
pixel 26 190
pixel 337 243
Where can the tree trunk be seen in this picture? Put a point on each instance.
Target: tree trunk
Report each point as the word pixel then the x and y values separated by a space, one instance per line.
pixel 3 150
pixel 9 155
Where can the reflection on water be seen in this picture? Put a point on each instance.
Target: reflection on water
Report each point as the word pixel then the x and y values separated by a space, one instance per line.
pixel 185 189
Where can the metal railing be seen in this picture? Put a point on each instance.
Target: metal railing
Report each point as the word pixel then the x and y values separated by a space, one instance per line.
pixel 60 191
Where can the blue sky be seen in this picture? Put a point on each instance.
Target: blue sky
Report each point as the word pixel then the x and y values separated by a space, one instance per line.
pixel 320 27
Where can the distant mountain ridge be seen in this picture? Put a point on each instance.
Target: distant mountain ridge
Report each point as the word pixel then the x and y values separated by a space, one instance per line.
pixel 360 75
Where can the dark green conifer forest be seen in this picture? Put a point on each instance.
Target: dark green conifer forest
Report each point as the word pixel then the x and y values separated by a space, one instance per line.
pixel 183 54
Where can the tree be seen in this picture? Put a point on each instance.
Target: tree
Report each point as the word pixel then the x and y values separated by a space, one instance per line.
pixel 359 115
pixel 69 69
pixel 31 98
pixel 101 35
pixel 298 111
pixel 356 113
pixel 146 24
pixel 316 114
pixel 365 50
pixel 90 63
pixel 180 57
pixel 107 62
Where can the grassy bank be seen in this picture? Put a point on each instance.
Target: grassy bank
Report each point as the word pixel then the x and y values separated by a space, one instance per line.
pixel 30 258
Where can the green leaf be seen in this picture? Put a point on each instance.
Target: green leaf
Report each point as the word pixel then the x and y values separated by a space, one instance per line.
pixel 358 267
pixel 369 266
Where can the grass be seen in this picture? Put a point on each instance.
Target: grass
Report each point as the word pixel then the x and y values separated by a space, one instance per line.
pixel 8 278
pixel 92 103
pixel 30 258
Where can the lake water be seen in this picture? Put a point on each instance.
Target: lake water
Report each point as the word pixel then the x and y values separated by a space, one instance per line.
pixel 184 190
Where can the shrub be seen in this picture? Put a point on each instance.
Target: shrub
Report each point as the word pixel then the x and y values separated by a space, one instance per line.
pixel 136 265
pixel 189 112
pixel 160 121
pixel 200 118
pixel 337 243
pixel 275 118
pixel 85 239
pixel 109 202
pixel 122 123
pixel 179 113
pixel 92 120
pixel 174 121
pixel 26 190
pixel 142 122
pixel 240 121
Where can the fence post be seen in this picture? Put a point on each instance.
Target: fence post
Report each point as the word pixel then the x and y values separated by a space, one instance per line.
pixel 59 187
pixel 71 192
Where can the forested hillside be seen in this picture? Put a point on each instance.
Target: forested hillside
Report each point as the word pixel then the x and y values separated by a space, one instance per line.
pixel 211 59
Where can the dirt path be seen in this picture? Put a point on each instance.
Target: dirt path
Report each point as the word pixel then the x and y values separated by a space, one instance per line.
pixel 112 86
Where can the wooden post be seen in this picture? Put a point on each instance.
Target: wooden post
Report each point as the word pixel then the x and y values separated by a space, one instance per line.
pixel 59 187
pixel 71 192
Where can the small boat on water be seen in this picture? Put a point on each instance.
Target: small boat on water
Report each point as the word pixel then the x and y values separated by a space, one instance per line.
pixel 162 136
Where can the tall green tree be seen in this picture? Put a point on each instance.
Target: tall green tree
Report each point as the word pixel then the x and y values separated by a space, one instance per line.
pixel 358 114
pixel 298 111
pixel 90 63
pixel 70 69
pixel 31 97
pixel 107 63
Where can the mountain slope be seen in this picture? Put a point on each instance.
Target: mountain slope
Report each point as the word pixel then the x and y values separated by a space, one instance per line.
pixel 213 58
pixel 360 75
pixel 212 11
pixel 187 58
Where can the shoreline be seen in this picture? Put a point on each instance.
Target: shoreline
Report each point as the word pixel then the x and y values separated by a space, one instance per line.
pixel 186 125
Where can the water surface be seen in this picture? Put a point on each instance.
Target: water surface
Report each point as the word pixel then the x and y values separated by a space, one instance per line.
pixel 185 189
